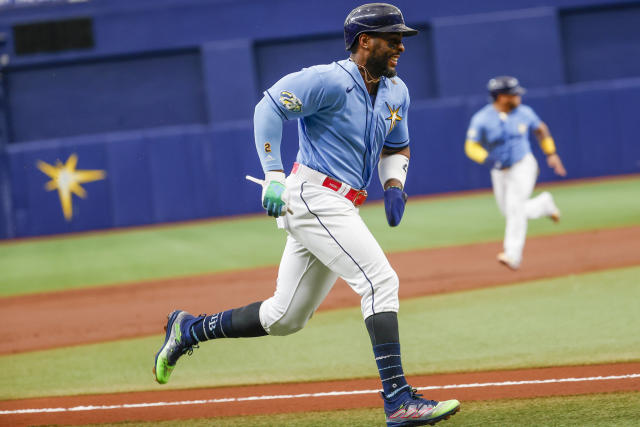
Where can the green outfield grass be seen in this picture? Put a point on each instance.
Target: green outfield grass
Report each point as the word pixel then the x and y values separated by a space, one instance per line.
pixel 149 253
pixel 606 410
pixel 581 319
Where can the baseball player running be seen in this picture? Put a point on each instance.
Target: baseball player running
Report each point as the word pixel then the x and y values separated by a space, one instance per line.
pixel 498 137
pixel 352 116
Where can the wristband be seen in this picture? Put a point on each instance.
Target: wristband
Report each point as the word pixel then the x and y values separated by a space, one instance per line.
pixel 548 146
pixel 475 151
pixel 394 166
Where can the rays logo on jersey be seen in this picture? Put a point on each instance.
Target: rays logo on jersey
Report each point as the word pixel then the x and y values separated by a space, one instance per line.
pixel 290 101
pixel 393 117
pixel 522 128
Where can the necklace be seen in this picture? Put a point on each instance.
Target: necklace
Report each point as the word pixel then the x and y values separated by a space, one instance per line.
pixel 368 78
pixel 367 75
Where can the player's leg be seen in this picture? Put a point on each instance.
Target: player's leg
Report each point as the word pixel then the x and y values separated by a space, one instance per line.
pixel 542 205
pixel 184 332
pixel 498 183
pixel 342 241
pixel 330 227
pixel 520 180
pixel 402 406
pixel 302 284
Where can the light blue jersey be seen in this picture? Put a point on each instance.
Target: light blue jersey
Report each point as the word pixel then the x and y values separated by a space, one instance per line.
pixel 341 133
pixel 504 135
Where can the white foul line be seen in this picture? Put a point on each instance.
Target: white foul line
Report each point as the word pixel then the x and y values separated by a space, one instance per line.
pixel 297 396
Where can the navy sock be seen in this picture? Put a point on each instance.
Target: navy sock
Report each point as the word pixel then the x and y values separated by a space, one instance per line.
pixel 211 327
pixel 390 369
pixel 236 323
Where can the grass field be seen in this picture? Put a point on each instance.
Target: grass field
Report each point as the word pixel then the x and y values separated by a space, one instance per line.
pixel 578 319
pixel 109 258
pixel 559 321
pixel 605 410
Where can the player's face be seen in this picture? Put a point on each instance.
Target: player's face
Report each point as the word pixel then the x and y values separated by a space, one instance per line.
pixel 509 101
pixel 385 52
pixel 513 101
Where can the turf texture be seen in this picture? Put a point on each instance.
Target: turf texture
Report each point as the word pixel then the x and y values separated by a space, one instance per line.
pixel 594 410
pixel 579 319
pixel 123 256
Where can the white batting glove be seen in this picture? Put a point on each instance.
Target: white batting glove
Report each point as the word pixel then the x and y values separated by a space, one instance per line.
pixel 275 196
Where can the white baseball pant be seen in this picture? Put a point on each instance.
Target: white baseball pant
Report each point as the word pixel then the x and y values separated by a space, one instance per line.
pixel 326 239
pixel 512 188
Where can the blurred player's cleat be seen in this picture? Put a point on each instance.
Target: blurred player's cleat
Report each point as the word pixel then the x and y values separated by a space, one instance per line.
pixel 409 409
pixel 177 342
pixel 507 261
pixel 551 204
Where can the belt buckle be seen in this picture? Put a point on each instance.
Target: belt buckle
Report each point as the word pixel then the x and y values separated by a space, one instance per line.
pixel 360 197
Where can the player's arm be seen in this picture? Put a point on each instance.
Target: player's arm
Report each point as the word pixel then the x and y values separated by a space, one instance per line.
pixel 548 146
pixel 472 146
pixel 393 167
pixel 394 158
pixel 267 129
pixel 475 151
pixel 294 96
pixel 392 171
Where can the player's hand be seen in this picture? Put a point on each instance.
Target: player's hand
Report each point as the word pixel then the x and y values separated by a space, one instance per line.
pixel 394 201
pixel 555 163
pixel 275 196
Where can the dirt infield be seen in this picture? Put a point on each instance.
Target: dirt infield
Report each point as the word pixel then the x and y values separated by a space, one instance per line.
pixel 132 310
pixel 317 396
pixel 139 309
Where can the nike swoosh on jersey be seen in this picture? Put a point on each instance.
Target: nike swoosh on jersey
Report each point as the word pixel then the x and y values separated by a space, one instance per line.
pixel 349 89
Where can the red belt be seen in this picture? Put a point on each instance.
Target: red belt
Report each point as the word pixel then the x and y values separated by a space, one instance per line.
pixel 357 197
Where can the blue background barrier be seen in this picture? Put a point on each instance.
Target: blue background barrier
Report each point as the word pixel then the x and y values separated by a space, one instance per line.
pixel 163 101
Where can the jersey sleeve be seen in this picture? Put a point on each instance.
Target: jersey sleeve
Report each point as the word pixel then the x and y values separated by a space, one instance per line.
pixel 267 124
pixel 475 132
pixel 298 94
pixel 398 136
pixel 534 120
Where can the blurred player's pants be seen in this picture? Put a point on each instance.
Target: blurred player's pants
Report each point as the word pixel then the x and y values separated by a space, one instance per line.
pixel 512 188
pixel 327 239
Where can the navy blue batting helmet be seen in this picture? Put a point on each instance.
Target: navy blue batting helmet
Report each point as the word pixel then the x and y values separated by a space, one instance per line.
pixel 374 18
pixel 505 84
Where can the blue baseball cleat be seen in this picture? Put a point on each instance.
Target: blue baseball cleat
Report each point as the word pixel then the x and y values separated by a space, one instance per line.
pixel 177 342
pixel 409 409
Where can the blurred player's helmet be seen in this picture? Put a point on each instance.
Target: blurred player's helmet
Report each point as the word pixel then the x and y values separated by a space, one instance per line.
pixel 374 18
pixel 505 84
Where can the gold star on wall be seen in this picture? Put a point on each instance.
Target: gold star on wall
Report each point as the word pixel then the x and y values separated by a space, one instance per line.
pixel 394 117
pixel 66 179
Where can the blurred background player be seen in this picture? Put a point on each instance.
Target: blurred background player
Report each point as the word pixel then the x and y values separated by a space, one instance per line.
pixel 498 137
pixel 352 116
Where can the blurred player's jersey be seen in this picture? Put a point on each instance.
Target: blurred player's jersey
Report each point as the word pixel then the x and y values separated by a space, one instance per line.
pixel 341 133
pixel 504 135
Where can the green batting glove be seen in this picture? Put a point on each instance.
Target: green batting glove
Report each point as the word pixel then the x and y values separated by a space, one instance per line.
pixel 275 195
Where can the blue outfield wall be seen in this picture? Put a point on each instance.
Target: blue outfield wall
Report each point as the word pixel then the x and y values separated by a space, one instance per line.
pixel 593 125
pixel 191 172
pixel 163 102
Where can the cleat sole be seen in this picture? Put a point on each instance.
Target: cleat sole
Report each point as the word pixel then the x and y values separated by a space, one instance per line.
pixel 433 421
pixel 171 315
pixel 445 416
